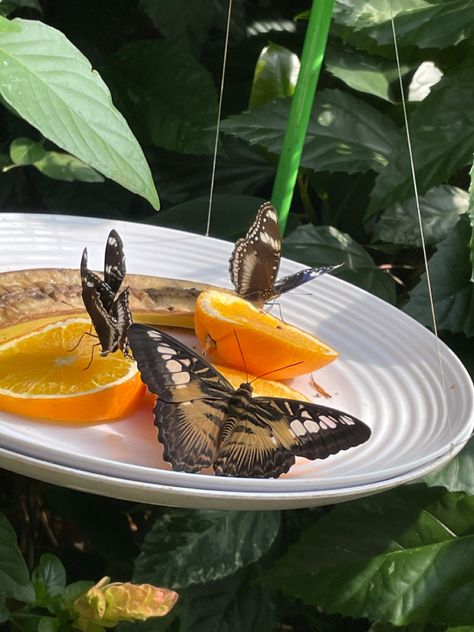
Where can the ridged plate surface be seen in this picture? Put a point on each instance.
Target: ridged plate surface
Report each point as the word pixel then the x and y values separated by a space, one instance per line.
pixel 388 375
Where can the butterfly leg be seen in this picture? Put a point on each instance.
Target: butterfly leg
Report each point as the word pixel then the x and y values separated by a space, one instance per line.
pixel 86 333
pixel 92 356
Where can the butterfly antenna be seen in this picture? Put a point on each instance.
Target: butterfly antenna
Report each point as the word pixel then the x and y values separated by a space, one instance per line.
pixel 287 366
pixel 242 356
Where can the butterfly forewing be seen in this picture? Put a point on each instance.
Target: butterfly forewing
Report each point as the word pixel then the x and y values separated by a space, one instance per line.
pixel 255 260
pixel 171 370
pixel 202 421
pixel 108 309
pixel 114 264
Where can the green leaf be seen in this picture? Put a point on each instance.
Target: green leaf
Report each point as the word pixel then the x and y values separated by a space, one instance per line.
pixel 4 612
pixel 14 576
pixel 440 210
pixel 442 137
pixel 417 22
pixel 397 557
pixel 66 168
pixel 184 548
pixel 344 133
pixel 7 26
pixel 233 604
pixel 185 23
pixel 458 474
pixel 49 578
pixel 471 217
pixel 325 245
pixel 173 108
pixel 453 291
pixel 365 73
pixel 74 590
pixel 24 151
pixel 48 624
pixel 275 75
pixel 50 84
pixel 231 215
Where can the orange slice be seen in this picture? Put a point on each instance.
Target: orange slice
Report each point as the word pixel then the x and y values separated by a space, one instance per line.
pixel 261 388
pixel 41 377
pixel 267 344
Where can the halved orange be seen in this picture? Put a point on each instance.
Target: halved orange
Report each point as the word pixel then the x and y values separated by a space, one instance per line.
pixel 223 321
pixel 42 375
pixel 261 387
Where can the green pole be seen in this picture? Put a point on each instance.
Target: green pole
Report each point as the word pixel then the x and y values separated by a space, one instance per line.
pixel 301 106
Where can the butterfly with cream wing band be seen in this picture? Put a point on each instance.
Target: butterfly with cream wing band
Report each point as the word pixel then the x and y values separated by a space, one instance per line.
pixel 106 304
pixel 255 261
pixel 203 422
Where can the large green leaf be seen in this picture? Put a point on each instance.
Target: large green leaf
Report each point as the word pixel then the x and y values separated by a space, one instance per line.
pixel 232 604
pixel 453 291
pixel 14 576
pixel 169 96
pixel 403 556
pixel 344 133
pixel 275 75
pixel 418 22
pixel 365 73
pixel 458 475
pixel 442 135
pixel 325 245
pixel 183 22
pixel 440 210
pixel 184 548
pixel 50 84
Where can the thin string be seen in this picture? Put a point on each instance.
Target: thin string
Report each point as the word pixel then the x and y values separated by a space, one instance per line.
pixel 420 224
pixel 218 124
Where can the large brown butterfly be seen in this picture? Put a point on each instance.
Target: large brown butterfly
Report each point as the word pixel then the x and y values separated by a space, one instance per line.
pixel 105 303
pixel 255 261
pixel 204 422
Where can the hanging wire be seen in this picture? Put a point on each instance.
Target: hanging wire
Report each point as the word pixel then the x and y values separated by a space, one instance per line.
pixel 218 123
pixel 420 223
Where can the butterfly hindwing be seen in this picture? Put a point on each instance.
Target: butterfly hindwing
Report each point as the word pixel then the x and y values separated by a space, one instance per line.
pixel 202 421
pixel 291 281
pixel 255 260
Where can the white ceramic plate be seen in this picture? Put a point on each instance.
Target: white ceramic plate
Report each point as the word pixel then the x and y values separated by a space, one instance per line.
pixel 388 375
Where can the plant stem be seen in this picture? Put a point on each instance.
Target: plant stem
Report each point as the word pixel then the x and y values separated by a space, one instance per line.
pixel 301 106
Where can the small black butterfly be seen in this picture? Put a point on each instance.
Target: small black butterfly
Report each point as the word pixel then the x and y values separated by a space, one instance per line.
pixel 105 303
pixel 204 422
pixel 255 261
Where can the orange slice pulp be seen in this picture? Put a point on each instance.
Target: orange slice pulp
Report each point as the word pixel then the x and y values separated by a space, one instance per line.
pixel 42 375
pixel 223 321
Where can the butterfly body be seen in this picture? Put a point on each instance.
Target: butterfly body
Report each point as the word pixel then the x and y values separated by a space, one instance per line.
pixel 255 261
pixel 203 422
pixel 107 304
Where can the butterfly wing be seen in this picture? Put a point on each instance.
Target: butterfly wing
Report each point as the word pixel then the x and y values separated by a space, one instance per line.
pixel 110 315
pixel 255 260
pixel 274 431
pixel 114 264
pixel 192 397
pixel 291 281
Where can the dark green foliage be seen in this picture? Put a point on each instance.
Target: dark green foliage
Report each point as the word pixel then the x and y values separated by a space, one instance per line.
pixel 397 561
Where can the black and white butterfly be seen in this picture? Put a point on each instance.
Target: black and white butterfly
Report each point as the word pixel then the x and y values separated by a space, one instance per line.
pixel 204 422
pixel 107 304
pixel 255 261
